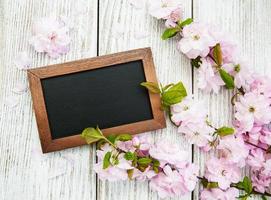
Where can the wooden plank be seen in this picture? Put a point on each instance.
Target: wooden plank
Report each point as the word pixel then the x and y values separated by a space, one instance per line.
pixel 25 173
pixel 248 21
pixel 120 26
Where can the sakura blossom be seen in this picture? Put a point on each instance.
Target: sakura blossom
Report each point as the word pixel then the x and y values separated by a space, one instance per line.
pixel 208 79
pixel 229 47
pixel 199 134
pixel 233 149
pixel 22 61
pixel 145 175
pixel 222 172
pixel 188 111
pixel 162 9
pixel 50 36
pixel 218 194
pixel 260 181
pixel 168 153
pixel 115 172
pixel 252 108
pixel 174 17
pixel 191 116
pixel 170 183
pixel 242 74
pixel 261 85
pixel 196 41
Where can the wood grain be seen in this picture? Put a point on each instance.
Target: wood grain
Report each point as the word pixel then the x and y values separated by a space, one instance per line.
pixel 24 172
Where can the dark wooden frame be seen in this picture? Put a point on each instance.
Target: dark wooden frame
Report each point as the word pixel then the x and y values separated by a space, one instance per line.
pixel 36 75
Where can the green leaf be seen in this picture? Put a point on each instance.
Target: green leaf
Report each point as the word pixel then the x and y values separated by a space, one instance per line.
pixel 106 161
pixel 227 78
pixel 144 161
pixel 152 87
pixel 218 54
pixel 172 97
pixel 247 185
pixel 243 197
pixel 156 169
pixel 185 22
pixel 264 197
pixel 100 143
pixel 170 32
pixel 174 94
pixel 129 156
pixel 240 185
pixel 155 163
pixel 124 137
pixel 179 87
pixel 224 131
pixel 167 86
pixel 111 138
pixel 212 185
pixel 92 135
pixel 208 185
pixel 196 62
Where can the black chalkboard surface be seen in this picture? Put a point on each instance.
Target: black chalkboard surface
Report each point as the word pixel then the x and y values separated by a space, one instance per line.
pixel 103 91
pixel 107 97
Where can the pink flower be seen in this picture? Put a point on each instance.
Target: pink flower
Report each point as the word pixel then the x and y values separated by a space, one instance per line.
pixel 140 143
pixel 222 172
pixel 188 111
pixel 168 153
pixel 252 108
pixel 189 173
pixel 208 79
pixel 228 46
pixel 50 36
pixel 265 136
pixel 234 150
pixel 191 116
pixel 261 85
pixel 142 176
pixel 163 9
pixel 260 182
pixel 218 194
pixel 199 134
pixel 242 74
pixel 118 165
pixel 196 41
pixel 256 159
pixel 170 183
pixel 173 18
pixel 126 146
pixel 22 61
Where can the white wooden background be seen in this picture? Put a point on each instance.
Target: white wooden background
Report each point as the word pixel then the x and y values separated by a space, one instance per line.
pixel 103 27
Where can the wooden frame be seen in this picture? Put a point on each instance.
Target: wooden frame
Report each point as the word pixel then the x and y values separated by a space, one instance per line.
pixel 36 75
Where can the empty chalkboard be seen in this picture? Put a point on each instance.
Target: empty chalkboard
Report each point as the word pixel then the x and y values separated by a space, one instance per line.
pixel 103 91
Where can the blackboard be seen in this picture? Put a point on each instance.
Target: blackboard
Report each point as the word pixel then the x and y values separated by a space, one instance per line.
pixel 103 91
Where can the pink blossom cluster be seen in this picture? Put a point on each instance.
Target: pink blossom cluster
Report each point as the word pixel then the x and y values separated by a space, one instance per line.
pixel 50 36
pixel 219 63
pixel 163 164
pixel 253 122
pixel 191 118
pixel 170 10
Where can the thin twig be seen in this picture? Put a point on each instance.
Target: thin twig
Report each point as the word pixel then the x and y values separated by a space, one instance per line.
pixel 256 146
